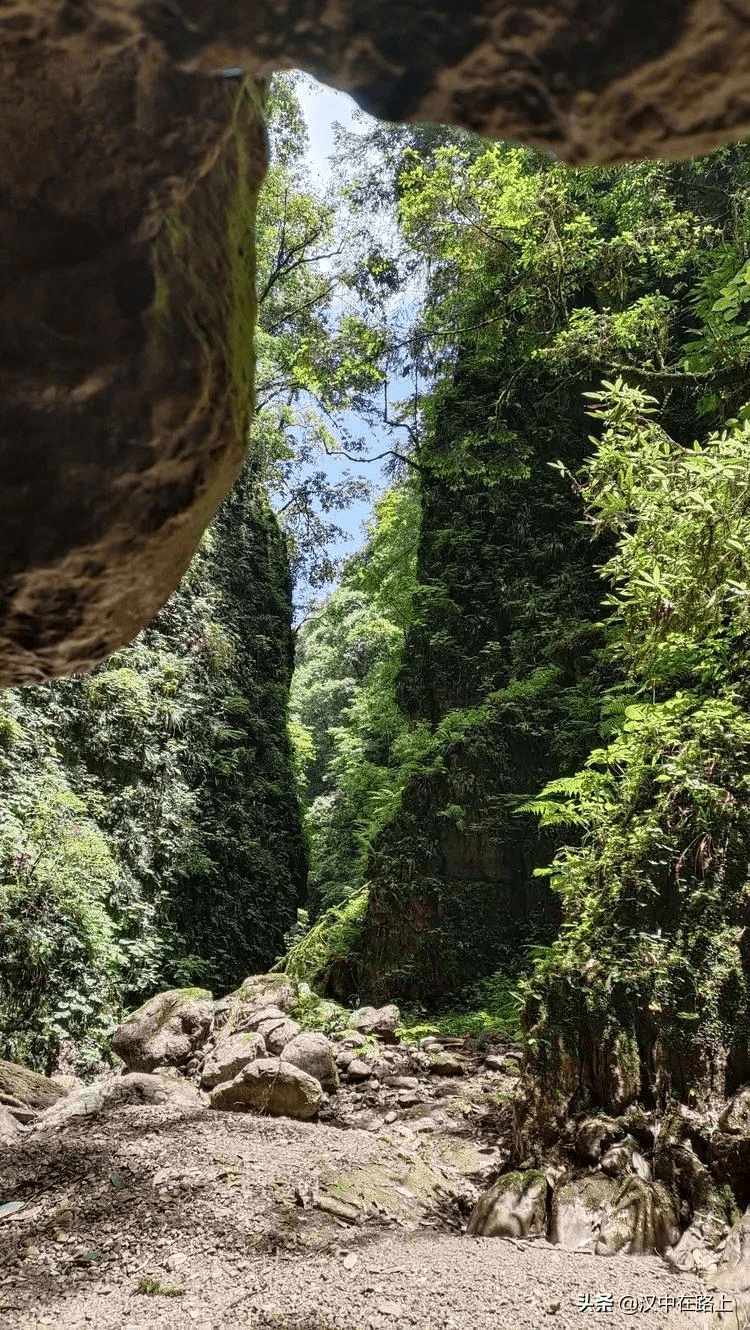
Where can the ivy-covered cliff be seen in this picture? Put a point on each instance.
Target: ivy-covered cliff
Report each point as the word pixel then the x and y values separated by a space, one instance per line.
pixel 150 831
pixel 506 666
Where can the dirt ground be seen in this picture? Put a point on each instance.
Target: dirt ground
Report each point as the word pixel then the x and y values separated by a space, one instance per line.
pixel 152 1217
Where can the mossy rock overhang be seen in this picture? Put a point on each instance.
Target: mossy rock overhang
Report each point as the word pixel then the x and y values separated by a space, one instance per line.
pixel 130 165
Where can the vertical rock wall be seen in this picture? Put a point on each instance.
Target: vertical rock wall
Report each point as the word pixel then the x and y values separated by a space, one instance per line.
pixel 126 313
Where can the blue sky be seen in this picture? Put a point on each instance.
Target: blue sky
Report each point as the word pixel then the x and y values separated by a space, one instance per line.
pixel 322 106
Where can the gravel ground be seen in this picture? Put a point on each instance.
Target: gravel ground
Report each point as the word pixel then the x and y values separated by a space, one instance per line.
pixel 222 1209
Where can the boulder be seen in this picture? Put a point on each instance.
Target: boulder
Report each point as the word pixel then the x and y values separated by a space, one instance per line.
pixel 22 1088
pixel 624 1158
pixel 166 1030
pixel 514 1207
pixel 380 1021
pixel 641 1217
pixel 494 1062
pixel 445 1064
pixel 593 1137
pixel 696 1250
pixel 312 1052
pixel 677 1164
pixel 10 1128
pixel 247 1015
pixel 734 1119
pixel 230 1055
pixel 267 990
pixel 577 1211
pixel 110 1092
pixel 270 1086
pixel 733 1274
pixel 278 1034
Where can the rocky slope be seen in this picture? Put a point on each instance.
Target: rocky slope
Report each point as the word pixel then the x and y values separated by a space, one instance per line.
pixel 386 1198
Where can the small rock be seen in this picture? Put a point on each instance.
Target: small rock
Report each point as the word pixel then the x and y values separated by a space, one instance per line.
pixel 380 1021
pixel 423 1124
pixel 446 1064
pixel 358 1070
pixel 352 1039
pixel 493 1062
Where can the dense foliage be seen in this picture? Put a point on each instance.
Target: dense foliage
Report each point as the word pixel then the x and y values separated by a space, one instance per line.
pixel 651 963
pixel 518 726
pixel 149 833
pixel 539 282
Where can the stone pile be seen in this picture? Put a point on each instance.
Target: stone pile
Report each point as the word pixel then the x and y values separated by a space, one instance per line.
pixel 246 1052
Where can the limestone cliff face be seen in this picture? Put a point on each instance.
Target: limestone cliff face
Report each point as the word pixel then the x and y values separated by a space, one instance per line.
pixel 594 80
pixel 500 663
pixel 124 372
pixel 126 313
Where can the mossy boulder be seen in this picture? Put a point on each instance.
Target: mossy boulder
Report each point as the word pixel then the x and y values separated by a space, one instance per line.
pixel 269 990
pixel 640 1218
pixel 166 1030
pixel 594 1136
pixel 258 998
pixel 21 1087
pixel 577 1210
pixel 514 1207
pixel 610 1215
